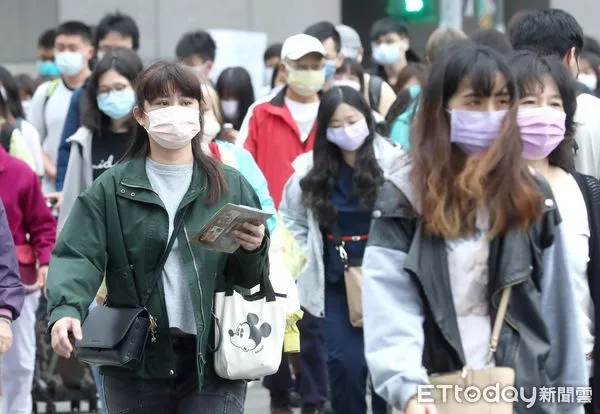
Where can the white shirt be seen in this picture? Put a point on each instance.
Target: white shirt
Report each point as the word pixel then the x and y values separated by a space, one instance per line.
pixel 304 114
pixel 469 276
pixel 587 135
pixel 49 120
pixel 576 232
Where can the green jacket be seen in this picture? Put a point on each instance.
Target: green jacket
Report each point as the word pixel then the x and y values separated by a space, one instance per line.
pixel 122 198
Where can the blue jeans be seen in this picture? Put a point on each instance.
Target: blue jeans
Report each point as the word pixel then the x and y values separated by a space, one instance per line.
pixel 346 357
pixel 98 377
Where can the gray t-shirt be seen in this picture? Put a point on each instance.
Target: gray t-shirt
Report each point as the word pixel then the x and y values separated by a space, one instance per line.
pixel 171 182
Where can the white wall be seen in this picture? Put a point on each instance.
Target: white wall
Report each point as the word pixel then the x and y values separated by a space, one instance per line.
pixel 587 13
pixel 161 22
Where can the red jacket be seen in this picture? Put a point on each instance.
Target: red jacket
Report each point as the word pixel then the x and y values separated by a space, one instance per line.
pixel 274 142
pixel 26 208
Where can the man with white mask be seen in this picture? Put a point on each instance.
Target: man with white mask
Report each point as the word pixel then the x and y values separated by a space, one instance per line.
pixel 73 50
pixel 378 93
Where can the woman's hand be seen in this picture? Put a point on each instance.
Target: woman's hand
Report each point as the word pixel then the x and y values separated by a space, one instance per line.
pixel 6 336
pixel 55 199
pixel 42 277
pixel 413 407
pixel 252 238
pixel 60 335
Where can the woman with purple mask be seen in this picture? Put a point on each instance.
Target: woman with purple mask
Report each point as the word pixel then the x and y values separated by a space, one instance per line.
pixel 546 119
pixel 459 223
pixel 327 206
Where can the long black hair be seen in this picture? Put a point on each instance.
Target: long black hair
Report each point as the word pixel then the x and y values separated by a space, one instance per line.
pixel 319 183
pixel 530 69
pixel 12 93
pixel 163 79
pixel 126 63
pixel 235 83
pixel 352 67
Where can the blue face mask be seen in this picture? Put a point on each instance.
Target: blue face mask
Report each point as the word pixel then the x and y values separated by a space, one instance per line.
pixel 48 68
pixel 387 54
pixel 116 104
pixel 329 69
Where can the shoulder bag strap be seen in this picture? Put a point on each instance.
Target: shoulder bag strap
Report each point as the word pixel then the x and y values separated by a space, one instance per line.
pixel 179 219
pixel 502 307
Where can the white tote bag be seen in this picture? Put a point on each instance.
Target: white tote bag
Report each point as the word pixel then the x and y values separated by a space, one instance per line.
pixel 249 332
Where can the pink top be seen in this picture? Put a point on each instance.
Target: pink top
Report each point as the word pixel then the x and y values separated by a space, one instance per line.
pixel 26 208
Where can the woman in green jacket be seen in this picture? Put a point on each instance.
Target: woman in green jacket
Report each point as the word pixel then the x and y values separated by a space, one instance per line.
pixel 166 181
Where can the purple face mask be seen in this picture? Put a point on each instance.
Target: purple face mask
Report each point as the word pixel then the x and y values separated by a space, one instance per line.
pixel 474 131
pixel 349 137
pixel 542 130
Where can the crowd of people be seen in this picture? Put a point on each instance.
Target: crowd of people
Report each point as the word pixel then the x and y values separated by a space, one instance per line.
pixel 453 179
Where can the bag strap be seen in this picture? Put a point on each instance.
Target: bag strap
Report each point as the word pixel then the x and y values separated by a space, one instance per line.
pixel 375 83
pixel 502 307
pixel 179 219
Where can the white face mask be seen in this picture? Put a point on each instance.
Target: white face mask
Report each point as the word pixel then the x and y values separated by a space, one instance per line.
pixel 69 63
pixel 589 80
pixel 229 108
pixel 347 82
pixel 173 127
pixel 211 127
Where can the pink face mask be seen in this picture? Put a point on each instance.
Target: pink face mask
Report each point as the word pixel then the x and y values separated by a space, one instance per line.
pixel 542 130
pixel 173 127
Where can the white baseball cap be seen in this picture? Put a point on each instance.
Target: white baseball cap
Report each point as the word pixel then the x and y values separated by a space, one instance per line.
pixel 297 46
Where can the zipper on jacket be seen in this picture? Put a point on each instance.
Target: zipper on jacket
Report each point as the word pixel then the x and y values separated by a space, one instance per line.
pixel 138 186
pixel 187 239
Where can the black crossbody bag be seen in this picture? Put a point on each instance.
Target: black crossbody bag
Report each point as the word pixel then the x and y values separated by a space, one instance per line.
pixel 118 336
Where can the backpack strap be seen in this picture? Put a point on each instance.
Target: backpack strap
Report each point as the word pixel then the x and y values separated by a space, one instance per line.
pixel 52 85
pixel 375 83
pixel 590 189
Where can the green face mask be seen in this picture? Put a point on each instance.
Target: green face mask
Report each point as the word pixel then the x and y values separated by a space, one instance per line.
pixel 306 82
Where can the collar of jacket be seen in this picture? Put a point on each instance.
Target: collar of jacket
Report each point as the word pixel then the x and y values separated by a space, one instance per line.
pixel 510 262
pixel 135 184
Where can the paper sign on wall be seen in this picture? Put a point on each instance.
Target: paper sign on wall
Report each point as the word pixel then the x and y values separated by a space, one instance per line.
pixel 240 48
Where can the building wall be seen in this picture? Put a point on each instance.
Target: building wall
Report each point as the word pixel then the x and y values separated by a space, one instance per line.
pixel 585 11
pixel 161 22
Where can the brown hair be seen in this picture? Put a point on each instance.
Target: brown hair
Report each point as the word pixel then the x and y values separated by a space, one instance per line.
pixel 163 79
pixel 411 70
pixel 452 186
